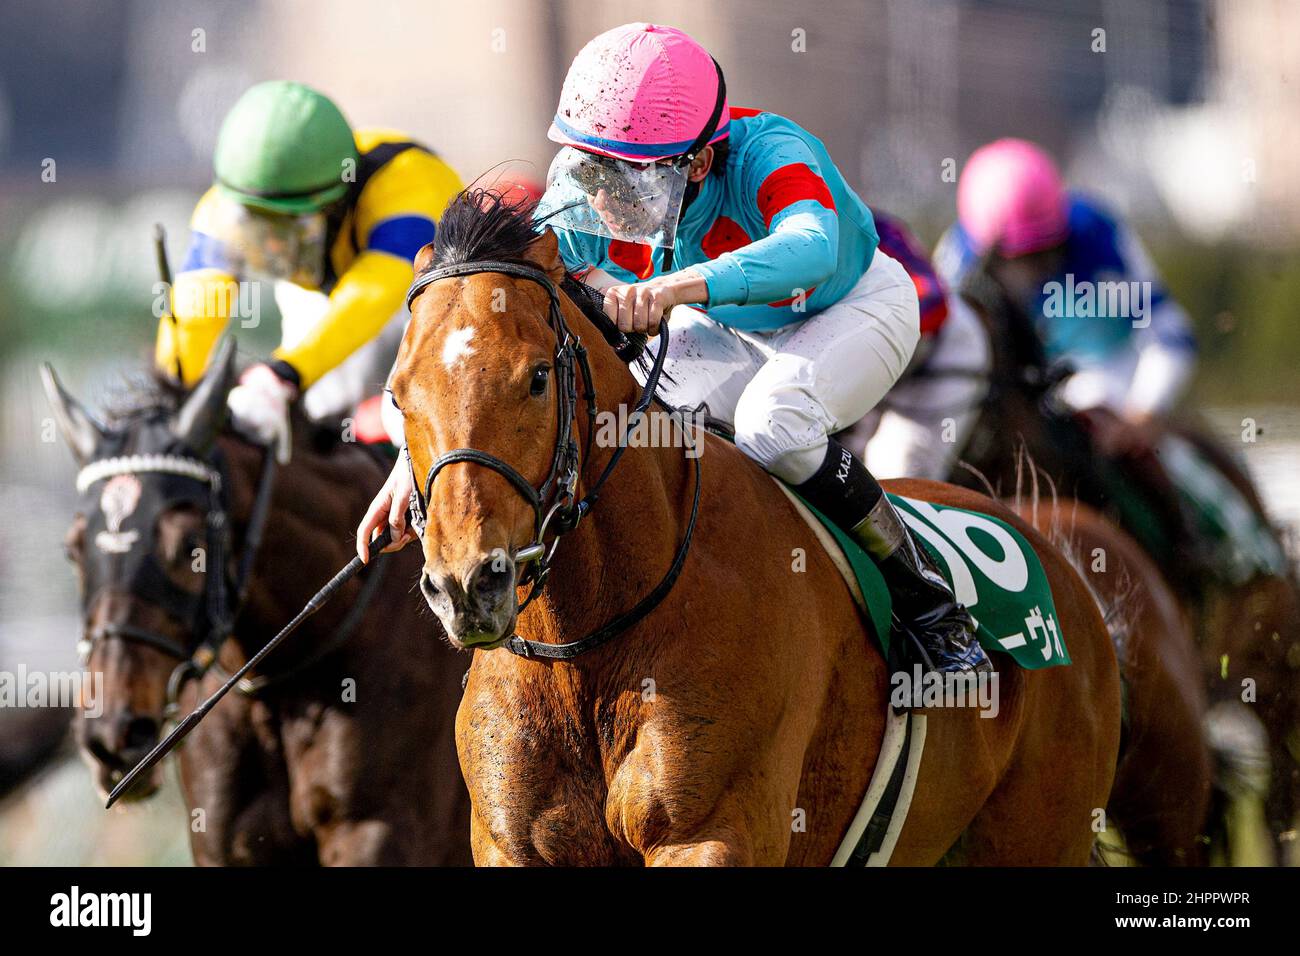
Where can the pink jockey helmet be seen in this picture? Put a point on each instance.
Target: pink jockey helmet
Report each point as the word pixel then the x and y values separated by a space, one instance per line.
pixel 1010 195
pixel 639 92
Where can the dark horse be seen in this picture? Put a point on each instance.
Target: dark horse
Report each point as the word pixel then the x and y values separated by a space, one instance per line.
pixel 1248 632
pixel 1161 800
pixel 341 750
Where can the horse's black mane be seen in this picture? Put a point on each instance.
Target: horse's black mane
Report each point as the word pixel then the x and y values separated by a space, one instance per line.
pixel 143 395
pixel 151 394
pixel 481 223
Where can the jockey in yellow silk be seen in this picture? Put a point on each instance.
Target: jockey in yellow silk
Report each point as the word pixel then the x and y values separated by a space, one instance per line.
pixel 334 217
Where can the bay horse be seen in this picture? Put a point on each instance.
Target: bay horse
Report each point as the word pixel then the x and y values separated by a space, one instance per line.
pixel 1248 633
pixel 723 707
pixel 1162 797
pixel 340 752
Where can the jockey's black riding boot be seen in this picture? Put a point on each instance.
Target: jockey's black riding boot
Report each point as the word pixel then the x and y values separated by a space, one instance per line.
pixel 844 491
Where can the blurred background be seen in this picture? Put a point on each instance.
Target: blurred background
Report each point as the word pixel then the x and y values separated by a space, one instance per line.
pixel 1183 114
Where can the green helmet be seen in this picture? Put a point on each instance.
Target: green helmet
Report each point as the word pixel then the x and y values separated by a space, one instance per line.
pixel 283 148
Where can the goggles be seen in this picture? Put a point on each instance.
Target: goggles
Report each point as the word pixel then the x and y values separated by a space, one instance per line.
pixel 273 245
pixel 615 199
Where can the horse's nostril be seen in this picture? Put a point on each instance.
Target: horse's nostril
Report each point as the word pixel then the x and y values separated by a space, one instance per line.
pixel 102 752
pixel 141 733
pixel 492 579
pixel 427 587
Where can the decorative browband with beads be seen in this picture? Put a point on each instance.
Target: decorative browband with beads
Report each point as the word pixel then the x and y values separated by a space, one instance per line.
pixel 139 464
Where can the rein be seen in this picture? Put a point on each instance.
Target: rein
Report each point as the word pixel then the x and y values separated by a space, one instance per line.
pixel 212 614
pixel 556 507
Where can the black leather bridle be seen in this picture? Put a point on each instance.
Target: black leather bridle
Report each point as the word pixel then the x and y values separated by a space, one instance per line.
pixel 557 509
pixel 209 615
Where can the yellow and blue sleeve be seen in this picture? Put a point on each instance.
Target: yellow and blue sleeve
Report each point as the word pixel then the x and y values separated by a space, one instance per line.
pixel 395 216
pixel 202 298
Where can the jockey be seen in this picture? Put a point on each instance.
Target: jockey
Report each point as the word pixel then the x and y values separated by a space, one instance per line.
pixel 336 217
pixel 1084 281
pixel 788 322
pixel 926 419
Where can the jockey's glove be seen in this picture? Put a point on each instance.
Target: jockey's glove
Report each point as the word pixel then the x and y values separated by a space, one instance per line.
pixel 259 407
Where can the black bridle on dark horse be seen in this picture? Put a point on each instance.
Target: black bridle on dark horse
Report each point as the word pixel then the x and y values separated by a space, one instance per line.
pixel 557 509
pixel 209 615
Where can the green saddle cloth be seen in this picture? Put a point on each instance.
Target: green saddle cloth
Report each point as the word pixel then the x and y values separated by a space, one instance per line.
pixel 1241 544
pixel 992 570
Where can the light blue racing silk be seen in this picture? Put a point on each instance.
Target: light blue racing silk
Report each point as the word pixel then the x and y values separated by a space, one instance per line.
pixel 778 237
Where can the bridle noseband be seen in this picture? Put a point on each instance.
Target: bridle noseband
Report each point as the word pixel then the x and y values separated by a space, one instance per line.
pixel 556 507
pixel 553 502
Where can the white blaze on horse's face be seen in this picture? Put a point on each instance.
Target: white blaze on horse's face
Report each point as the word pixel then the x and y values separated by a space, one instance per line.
pixel 456 346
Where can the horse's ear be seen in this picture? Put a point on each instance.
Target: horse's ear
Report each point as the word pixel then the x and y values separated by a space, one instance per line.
pixel 200 418
pixel 544 252
pixel 424 258
pixel 78 427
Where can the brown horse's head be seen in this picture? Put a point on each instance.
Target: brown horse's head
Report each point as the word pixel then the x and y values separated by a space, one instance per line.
pixel 477 370
pixel 135 543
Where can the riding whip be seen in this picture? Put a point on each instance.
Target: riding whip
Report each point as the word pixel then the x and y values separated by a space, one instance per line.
pixel 318 601
pixel 165 273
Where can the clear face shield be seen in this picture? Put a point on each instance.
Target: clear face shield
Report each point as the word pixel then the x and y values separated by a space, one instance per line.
pixel 273 245
pixel 614 198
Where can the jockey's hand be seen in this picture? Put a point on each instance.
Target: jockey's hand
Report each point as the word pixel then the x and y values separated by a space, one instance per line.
pixel 640 306
pixel 259 407
pixel 388 509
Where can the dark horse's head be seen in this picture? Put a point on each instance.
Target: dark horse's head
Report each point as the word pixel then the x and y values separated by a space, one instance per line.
pixel 1022 422
pixel 140 542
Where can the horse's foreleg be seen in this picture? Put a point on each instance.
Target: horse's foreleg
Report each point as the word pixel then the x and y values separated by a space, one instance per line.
pixel 486 850
pixel 724 834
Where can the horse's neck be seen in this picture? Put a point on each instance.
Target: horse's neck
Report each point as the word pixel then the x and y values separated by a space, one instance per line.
pixel 302 544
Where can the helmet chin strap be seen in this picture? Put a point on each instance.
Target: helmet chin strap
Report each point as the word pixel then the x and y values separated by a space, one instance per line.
pixel 697 147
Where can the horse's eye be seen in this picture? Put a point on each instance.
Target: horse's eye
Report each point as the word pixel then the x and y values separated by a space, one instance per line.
pixel 541 376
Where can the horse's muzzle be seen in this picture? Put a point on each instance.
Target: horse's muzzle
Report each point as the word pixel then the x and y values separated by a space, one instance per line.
pixel 117 743
pixel 476 608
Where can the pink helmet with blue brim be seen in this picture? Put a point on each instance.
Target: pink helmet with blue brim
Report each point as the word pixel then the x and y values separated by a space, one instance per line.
pixel 1011 197
pixel 641 93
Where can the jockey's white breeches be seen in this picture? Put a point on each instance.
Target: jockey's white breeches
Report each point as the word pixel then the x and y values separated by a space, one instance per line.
pixel 786 390
pixel 361 374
